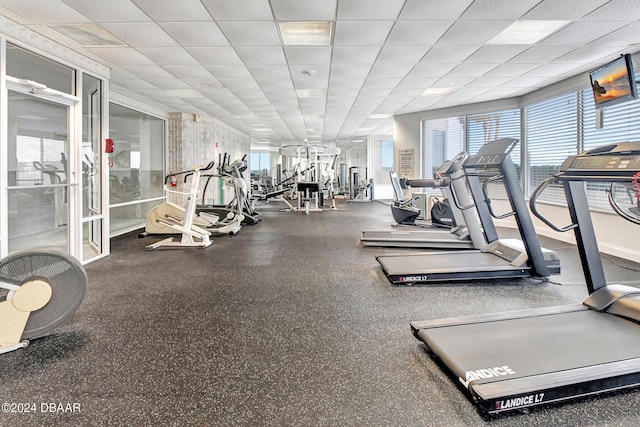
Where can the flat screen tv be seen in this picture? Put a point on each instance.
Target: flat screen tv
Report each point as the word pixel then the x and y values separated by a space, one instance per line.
pixel 614 82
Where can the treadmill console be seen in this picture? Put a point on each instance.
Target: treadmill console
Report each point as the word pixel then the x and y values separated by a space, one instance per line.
pixel 611 160
pixel 492 154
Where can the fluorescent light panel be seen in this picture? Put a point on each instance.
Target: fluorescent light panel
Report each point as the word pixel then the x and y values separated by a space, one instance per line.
pixel 527 32
pixel 310 33
pixel 438 91
pixel 87 35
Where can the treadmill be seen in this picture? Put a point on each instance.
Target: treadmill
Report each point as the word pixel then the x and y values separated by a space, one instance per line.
pixel 468 233
pixel 500 258
pixel 520 359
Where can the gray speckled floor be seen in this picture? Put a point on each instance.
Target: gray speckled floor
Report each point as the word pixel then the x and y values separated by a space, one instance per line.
pixel 291 322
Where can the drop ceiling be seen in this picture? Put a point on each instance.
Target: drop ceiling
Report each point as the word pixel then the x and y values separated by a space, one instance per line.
pixel 226 58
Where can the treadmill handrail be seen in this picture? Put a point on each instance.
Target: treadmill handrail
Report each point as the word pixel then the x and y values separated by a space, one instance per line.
pixel 454 196
pixel 485 184
pixel 617 209
pixel 534 207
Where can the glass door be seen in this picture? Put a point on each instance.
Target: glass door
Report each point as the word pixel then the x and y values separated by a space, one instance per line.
pixel 41 184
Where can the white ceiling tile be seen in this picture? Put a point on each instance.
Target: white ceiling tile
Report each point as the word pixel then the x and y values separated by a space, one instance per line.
pixel 215 55
pixel 361 33
pixel 121 56
pixel 308 54
pixel 355 55
pixel 311 83
pixel 434 9
pixel 168 55
pixel 192 34
pixel 524 82
pixel 344 83
pixel 541 54
pixel 616 10
pixel 453 81
pixel 410 33
pixel 261 55
pixel 356 10
pixel 581 33
pixel 625 36
pixel 380 83
pixel 402 54
pixel 234 10
pixel 188 71
pixel 511 70
pixel 495 54
pixel 304 10
pixel 233 84
pixel 47 12
pixel 589 55
pixel 171 83
pixel 390 70
pixel 563 10
pixel 550 70
pixel 118 10
pixel 498 9
pixel 431 69
pixel 149 72
pixel 229 71
pixel 140 34
pixel 488 82
pixel 276 85
pixel 264 72
pixel 470 70
pixel 359 72
pixel 257 84
pixel 443 54
pixel 250 34
pixel 417 83
pixel 167 10
pixel 470 32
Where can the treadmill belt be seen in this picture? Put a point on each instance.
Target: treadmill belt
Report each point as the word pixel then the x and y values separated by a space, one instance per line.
pixel 560 352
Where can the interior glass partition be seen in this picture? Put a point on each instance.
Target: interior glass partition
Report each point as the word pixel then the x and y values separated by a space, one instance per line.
pixel 136 167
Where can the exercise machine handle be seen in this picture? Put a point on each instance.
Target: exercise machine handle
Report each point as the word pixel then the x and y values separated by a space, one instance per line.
pixel 485 191
pixel 534 208
pixel 189 172
pixel 618 209
pixel 454 196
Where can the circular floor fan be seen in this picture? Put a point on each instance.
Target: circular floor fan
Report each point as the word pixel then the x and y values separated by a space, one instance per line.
pixel 63 274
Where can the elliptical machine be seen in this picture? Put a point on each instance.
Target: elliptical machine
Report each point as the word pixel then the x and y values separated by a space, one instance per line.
pixel 241 203
pixel 169 218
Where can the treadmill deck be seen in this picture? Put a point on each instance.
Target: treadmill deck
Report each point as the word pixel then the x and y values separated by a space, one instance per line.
pixel 427 239
pixel 452 266
pixel 508 362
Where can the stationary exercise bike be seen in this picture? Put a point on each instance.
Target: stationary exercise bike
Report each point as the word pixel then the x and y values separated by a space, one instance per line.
pixel 39 290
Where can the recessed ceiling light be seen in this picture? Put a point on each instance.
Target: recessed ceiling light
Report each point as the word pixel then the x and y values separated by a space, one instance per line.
pixel 438 91
pixel 379 116
pixel 527 32
pixel 306 93
pixel 87 35
pixel 310 33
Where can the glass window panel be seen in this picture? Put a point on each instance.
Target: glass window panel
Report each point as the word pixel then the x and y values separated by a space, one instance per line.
pixel 441 140
pixel 26 65
pixel 138 160
pixel 124 219
pixel 91 144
